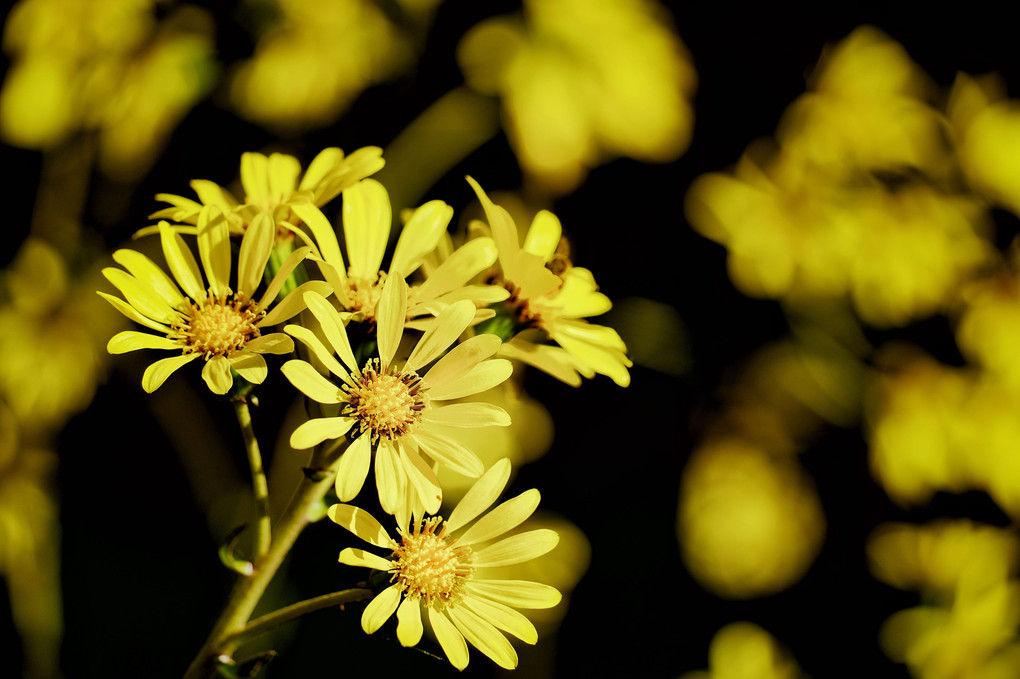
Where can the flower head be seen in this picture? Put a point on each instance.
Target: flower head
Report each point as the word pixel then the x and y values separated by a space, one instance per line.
pixel 433 565
pixel 222 325
pixel 391 409
pixel 549 299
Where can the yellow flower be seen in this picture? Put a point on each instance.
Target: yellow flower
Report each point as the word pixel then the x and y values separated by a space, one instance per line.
pixel 367 217
pixel 222 325
pixel 549 299
pixel 433 563
pixel 742 650
pixel 392 410
pixel 582 81
pixel 271 187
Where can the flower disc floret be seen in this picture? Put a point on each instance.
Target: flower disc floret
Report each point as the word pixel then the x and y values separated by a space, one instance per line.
pixel 217 325
pixel 386 403
pixel 430 567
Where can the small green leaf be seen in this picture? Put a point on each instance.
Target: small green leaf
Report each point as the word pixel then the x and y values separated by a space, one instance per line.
pixel 228 557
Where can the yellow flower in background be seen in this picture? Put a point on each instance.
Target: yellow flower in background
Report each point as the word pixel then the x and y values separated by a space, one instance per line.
pixel 743 650
pixel 989 323
pixel 132 84
pixel 391 410
pixel 549 300
pixel 749 523
pixel 434 565
pixel 323 55
pixel 582 81
pixel 219 324
pixel 52 333
pixel 272 187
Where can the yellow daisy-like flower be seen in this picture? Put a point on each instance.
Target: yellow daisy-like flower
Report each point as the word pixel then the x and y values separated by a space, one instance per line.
pixel 367 217
pixel 392 410
pixel 222 325
pixel 272 188
pixel 433 565
pixel 550 298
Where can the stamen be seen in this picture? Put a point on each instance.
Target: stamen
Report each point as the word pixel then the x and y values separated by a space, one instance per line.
pixel 388 403
pixel 216 326
pixel 430 566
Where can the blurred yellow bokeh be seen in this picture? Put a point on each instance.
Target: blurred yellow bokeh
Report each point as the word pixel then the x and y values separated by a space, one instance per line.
pixel 743 650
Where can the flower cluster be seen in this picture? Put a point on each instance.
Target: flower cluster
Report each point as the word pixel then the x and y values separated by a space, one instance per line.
pixel 385 357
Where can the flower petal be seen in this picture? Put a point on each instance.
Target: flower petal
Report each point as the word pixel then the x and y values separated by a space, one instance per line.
pixel 211 193
pixel 503 617
pixel 505 517
pixel 256 247
pixel 366 221
pixel 359 557
pixel 361 523
pixel 310 383
pixel 468 415
pixel 390 315
pixel 465 263
pixel 250 366
pixel 449 453
pixel 333 328
pixel 517 593
pixel 449 638
pixel 181 262
pixel 443 332
pixel 390 477
pixel 315 431
pixel 319 350
pixel 420 236
pixel 274 343
pixel 275 285
pixel 214 248
pixel 422 477
pixel 461 359
pixel 156 373
pixel 482 377
pixel 255 177
pixel 409 627
pixel 484 636
pixel 132 313
pixel 216 374
pixel 145 270
pixel 283 173
pixel 481 495
pixel 131 340
pixel 293 303
pixel 141 296
pixel 379 609
pixel 322 231
pixel 517 548
pixel 353 469
pixel 544 235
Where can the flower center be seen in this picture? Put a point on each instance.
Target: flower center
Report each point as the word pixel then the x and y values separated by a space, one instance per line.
pixel 388 403
pixel 365 294
pixel 429 566
pixel 216 326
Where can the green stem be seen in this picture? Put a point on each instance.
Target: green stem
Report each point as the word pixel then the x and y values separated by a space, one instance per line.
pixel 248 590
pixel 276 618
pixel 263 535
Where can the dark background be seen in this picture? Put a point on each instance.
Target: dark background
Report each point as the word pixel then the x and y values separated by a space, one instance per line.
pixel 142 583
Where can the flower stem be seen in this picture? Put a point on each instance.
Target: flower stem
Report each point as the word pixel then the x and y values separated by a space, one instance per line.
pixel 263 534
pixel 273 620
pixel 248 590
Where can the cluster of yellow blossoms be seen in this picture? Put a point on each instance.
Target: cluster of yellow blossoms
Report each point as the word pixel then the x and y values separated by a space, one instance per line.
pixel 384 357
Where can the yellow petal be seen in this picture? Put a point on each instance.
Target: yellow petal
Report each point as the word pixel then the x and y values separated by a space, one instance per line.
pixel 214 248
pixel 333 328
pixel 503 617
pixel 517 548
pixel 322 231
pixel 314 432
pixel 517 593
pixel 256 247
pixel 390 477
pixel 361 523
pixel 157 373
pixel 311 340
pixel 326 161
pixel 132 313
pixel 409 627
pixel 481 495
pixel 248 365
pixel 353 469
pixel 504 231
pixel 273 343
pixel 443 332
pixel 309 382
pixel 293 303
pixel 131 340
pixel 449 453
pixel 145 270
pixel 255 178
pixel 465 263
pixel 366 219
pixel 420 236
pixel 483 636
pixel 390 318
pixel 544 235
pixel 216 374
pixel 361 558
pixel 422 478
pixel 461 359
pixel 482 377
pixel 449 638
pixel 141 296
pixel 468 415
pixel 181 262
pixel 505 517
pixel 379 609
pixel 283 174
pixel 288 266
pixel 213 194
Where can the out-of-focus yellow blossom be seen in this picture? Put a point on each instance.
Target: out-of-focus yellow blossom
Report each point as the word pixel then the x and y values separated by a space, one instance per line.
pixel 435 571
pixel 988 332
pixel 743 650
pixel 29 545
pixel 970 628
pixel 549 300
pixel 582 81
pixel 854 200
pixel 322 55
pixel 132 84
pixel 220 324
pixel 749 523
pixel 271 188
pixel 987 127
pixel 393 411
pixel 52 331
